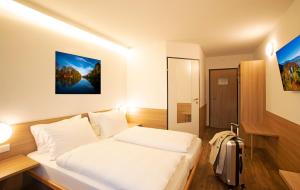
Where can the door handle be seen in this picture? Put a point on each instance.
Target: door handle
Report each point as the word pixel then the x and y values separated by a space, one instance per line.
pixel 196 100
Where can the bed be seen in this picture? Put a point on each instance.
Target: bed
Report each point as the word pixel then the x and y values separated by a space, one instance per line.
pixel 73 156
pixel 66 179
pixel 60 178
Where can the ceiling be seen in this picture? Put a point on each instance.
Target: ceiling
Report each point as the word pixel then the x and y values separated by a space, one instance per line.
pixel 220 26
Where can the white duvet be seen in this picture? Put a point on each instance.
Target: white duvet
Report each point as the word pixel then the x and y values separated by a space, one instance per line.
pixel 157 138
pixel 122 165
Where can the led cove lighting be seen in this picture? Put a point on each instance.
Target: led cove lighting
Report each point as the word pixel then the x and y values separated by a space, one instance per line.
pixel 46 21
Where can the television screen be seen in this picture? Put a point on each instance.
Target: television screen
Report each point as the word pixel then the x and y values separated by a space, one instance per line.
pixel 76 74
pixel 288 59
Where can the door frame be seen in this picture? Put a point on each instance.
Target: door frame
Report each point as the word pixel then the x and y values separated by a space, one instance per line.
pixel 209 90
pixel 168 86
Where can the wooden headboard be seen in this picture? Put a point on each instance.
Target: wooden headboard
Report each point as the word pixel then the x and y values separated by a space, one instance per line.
pixel 22 141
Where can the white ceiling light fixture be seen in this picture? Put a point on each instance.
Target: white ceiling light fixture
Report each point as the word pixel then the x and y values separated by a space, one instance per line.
pixel 46 21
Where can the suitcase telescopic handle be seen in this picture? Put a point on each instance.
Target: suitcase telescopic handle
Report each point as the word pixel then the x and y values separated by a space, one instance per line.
pixel 237 128
pixel 241 164
pixel 234 124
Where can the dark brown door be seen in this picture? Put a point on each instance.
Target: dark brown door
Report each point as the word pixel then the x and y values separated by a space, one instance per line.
pixel 223 97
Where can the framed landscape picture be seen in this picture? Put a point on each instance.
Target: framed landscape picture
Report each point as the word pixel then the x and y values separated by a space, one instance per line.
pixel 289 65
pixel 77 74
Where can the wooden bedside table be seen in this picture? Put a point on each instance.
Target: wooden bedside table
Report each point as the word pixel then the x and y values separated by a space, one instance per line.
pixel 13 167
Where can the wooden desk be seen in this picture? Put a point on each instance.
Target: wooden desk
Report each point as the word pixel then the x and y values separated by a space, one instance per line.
pixel 259 130
pixel 292 179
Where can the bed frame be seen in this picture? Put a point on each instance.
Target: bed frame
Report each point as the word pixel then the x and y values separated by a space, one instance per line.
pixel 192 174
pixel 22 142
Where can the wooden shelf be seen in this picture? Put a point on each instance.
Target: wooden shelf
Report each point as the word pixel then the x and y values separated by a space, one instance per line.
pixel 260 130
pixel 15 165
pixel 292 179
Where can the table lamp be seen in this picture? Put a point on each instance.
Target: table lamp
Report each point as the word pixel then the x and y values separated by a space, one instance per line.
pixel 5 132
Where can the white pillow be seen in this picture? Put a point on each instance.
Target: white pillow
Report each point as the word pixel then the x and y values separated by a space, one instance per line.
pixel 69 136
pixel 41 138
pixel 92 118
pixel 107 124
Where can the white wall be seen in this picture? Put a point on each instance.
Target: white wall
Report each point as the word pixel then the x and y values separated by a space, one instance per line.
pixel 283 103
pixel 222 62
pixel 183 50
pixel 147 72
pixel 27 73
pixel 147 76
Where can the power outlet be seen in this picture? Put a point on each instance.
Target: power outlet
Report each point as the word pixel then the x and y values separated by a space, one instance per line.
pixel 4 148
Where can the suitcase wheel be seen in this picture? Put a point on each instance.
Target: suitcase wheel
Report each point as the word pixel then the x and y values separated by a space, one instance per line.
pixel 243 187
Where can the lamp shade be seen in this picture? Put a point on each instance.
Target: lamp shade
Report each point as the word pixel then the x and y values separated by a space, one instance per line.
pixel 5 132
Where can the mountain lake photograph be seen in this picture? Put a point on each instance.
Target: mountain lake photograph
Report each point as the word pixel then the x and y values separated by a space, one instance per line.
pixel 76 74
pixel 289 64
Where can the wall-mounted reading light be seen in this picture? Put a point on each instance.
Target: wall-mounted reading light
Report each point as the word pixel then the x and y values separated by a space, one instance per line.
pixel 132 109
pixel 270 49
pixel 41 19
pixel 121 108
pixel 127 108
pixel 5 132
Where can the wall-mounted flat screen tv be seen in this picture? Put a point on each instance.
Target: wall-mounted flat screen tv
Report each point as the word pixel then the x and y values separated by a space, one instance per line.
pixel 288 59
pixel 77 74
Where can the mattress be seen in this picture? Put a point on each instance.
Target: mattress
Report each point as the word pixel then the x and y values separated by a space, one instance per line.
pixel 74 181
pixel 193 153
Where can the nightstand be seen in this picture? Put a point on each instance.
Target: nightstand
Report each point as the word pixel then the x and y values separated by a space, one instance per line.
pixel 12 169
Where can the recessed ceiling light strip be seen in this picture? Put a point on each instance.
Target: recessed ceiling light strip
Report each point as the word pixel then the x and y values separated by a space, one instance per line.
pixel 46 21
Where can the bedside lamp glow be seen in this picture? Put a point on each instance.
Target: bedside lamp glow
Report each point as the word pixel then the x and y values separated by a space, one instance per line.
pixel 5 132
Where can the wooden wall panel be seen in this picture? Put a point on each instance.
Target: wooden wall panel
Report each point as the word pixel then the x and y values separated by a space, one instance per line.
pixel 252 97
pixel 285 150
pixel 202 117
pixel 252 91
pixel 154 118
